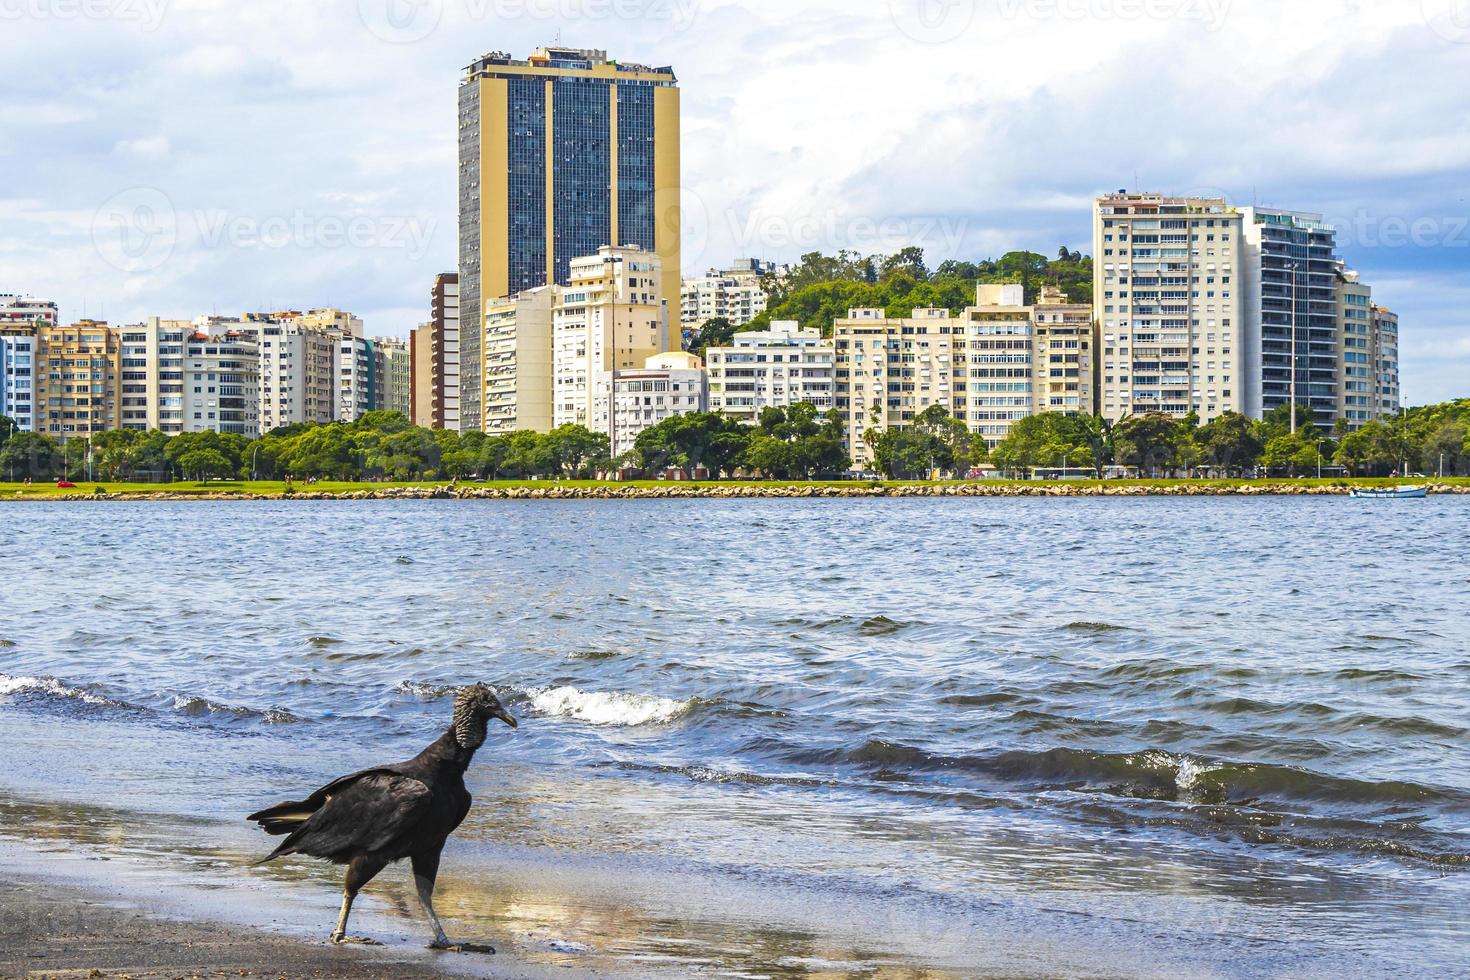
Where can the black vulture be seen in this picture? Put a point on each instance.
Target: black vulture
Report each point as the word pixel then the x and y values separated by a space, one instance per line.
pixel 372 818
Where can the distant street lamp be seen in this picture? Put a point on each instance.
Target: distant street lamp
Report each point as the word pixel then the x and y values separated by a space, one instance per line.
pixel 1293 267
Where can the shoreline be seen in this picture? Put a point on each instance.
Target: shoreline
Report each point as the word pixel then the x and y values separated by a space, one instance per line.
pixel 53 926
pixel 747 491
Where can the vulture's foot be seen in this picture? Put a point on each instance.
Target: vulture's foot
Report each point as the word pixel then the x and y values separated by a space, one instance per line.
pixel 448 947
pixel 339 939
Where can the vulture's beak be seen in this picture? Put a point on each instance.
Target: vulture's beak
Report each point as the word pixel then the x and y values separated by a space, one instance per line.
pixel 506 717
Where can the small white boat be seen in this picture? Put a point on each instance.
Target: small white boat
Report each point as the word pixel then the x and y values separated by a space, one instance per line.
pixel 1392 493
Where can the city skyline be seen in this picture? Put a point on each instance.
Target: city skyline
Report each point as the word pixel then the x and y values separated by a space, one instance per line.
pixel 357 170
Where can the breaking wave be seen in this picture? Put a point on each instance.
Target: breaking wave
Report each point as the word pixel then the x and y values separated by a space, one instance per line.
pixel 602 708
pixel 50 688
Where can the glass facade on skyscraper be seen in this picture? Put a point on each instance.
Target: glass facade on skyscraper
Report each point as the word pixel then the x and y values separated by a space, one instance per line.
pixel 560 155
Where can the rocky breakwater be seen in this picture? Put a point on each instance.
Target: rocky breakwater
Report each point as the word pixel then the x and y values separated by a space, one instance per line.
pixel 734 491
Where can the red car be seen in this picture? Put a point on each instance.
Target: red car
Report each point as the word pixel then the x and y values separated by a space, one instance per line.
pixel 65 485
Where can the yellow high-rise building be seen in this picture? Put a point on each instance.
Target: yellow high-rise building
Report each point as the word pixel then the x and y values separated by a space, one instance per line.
pixel 560 155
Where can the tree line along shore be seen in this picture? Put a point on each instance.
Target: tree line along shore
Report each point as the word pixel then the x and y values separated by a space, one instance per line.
pixel 679 490
pixel 798 443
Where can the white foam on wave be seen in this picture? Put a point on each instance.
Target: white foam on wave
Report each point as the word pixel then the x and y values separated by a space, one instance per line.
pixel 51 687
pixel 601 708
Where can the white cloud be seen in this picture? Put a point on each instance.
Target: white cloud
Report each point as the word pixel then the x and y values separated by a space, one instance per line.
pixel 145 148
pixel 807 124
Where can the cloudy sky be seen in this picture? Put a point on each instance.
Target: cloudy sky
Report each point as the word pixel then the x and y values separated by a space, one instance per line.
pixel 177 157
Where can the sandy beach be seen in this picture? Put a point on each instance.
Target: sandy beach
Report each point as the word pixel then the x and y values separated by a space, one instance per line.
pixel 51 930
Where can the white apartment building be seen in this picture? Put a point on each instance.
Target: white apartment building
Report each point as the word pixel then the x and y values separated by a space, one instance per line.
pixel 26 309
pixel 1016 360
pixel 153 375
pixel 18 377
pixel 610 317
pixel 357 378
pixel 998 362
pixel 297 371
pixel 222 384
pixel 734 294
pixel 889 370
pixel 395 369
pixel 626 402
pixel 1357 401
pixel 994 368
pixel 1064 365
pixel 19 384
pixel 773 368
pixel 1386 363
pixel 518 362
pixel 1169 297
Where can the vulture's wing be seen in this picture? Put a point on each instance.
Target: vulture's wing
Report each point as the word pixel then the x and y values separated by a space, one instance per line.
pixel 286 817
pixel 366 812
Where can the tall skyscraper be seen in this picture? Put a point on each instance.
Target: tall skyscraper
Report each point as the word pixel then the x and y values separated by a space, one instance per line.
pixel 559 155
pixel 1168 295
pixel 1291 304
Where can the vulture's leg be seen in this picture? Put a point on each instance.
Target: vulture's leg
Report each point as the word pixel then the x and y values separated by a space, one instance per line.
pixel 425 873
pixel 361 871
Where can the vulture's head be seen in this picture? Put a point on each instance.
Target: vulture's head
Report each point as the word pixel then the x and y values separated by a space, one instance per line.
pixel 474 706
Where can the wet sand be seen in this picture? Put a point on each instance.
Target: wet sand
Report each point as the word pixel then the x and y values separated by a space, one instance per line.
pixel 49 930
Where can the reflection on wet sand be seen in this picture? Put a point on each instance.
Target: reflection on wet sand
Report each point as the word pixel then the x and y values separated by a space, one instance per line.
pixel 539 920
